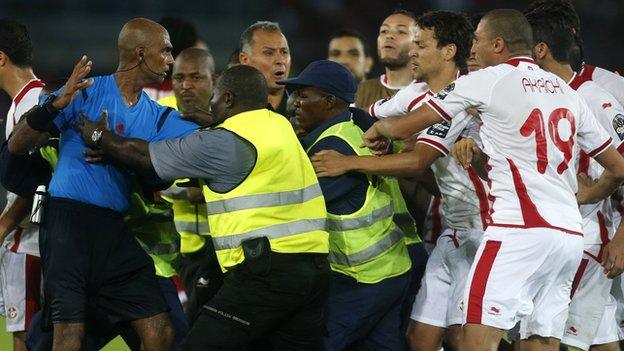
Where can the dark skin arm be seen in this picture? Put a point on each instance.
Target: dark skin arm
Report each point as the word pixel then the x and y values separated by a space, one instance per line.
pixel 128 151
pixel 25 138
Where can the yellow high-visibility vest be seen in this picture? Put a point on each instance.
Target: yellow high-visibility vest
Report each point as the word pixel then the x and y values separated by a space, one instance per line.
pixel 280 199
pixel 366 245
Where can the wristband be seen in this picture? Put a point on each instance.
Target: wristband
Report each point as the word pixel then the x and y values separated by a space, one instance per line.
pixel 40 118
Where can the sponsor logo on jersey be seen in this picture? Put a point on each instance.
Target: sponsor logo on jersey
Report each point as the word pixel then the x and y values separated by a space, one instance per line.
pixel 606 105
pixel 572 330
pixel 12 312
pixel 618 125
pixel 439 130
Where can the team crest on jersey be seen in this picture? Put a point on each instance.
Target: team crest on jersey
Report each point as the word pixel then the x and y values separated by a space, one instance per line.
pixel 12 312
pixel 618 125
pixel 439 130
pixel 442 94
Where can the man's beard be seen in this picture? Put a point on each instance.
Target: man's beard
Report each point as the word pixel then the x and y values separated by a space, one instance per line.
pixel 399 62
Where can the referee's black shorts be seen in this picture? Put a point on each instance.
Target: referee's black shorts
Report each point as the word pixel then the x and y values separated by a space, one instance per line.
pixel 90 258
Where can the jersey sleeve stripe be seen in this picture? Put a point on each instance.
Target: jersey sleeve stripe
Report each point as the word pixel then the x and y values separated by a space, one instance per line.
pixel 600 148
pixel 620 147
pixel 445 116
pixel 371 109
pixel 436 145
pixel 415 101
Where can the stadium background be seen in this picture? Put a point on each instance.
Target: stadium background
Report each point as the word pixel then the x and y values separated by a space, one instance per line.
pixel 62 30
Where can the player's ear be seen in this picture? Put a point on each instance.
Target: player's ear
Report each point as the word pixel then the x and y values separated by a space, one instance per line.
pixel 243 58
pixel 139 53
pixel 540 50
pixel 499 45
pixel 3 58
pixel 449 51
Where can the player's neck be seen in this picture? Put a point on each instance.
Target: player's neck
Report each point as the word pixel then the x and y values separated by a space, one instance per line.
pixel 129 87
pixel 444 77
pixel 16 80
pixel 399 77
pixel 275 98
pixel 563 71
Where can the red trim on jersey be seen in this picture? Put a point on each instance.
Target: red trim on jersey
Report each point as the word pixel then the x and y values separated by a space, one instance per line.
pixel 515 61
pixel 384 79
pixel 530 214
pixel 583 166
pixel 32 287
pixel 433 144
pixel 453 238
pixel 578 80
pixel 600 148
pixel 372 110
pixel 35 83
pixel 620 147
pixel 418 99
pixel 484 206
pixel 587 71
pixel 479 281
pixel 436 219
pixel 16 239
pixel 577 277
pixel 445 116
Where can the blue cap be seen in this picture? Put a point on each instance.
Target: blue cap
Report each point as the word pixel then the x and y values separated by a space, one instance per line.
pixel 327 76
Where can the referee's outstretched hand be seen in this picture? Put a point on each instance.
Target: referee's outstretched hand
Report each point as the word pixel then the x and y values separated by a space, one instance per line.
pixel 75 83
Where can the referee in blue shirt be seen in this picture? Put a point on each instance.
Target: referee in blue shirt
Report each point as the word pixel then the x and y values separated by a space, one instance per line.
pixel 88 255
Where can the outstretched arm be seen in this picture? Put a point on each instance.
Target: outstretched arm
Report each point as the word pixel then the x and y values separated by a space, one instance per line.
pixel 33 130
pixel 398 128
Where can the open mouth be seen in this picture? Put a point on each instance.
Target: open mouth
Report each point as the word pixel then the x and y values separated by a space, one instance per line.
pixel 279 75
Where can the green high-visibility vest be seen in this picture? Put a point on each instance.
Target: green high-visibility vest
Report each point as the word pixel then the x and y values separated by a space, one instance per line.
pixel 366 245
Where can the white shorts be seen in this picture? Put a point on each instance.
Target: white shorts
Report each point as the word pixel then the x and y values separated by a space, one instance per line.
pixel 617 291
pixel 591 292
pixel 20 288
pixel 439 300
pixel 523 275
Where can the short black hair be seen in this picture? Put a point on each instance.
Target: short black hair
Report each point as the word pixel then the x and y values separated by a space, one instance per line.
pixel 15 42
pixel 182 33
pixel 551 27
pixel 571 17
pixel 513 27
pixel 450 28
pixel 247 84
pixel 351 33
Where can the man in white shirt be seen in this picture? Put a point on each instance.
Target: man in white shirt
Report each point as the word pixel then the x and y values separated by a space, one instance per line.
pixel 591 319
pixel 20 265
pixel 524 268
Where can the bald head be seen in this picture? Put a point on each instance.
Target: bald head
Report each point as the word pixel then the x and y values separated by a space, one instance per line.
pixel 139 34
pixel 512 27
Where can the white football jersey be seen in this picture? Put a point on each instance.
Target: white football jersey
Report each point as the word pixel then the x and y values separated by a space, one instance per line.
pixel 25 239
pixel 464 199
pixel 401 103
pixel 607 80
pixel 533 126
pixel 598 217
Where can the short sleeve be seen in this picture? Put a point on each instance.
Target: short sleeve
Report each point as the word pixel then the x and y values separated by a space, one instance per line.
pixel 443 135
pixel 172 126
pixel 608 112
pixel 473 90
pixel 592 138
pixel 211 154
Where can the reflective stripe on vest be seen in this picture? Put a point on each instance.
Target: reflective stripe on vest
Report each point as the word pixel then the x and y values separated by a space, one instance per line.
pixel 192 227
pixel 360 222
pixel 264 200
pixel 271 232
pixel 368 253
pixel 163 249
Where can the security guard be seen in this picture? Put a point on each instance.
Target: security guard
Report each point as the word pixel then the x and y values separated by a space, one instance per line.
pixel 367 249
pixel 266 213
